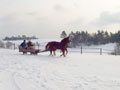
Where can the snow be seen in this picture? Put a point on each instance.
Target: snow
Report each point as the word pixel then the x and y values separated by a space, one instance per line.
pixel 77 71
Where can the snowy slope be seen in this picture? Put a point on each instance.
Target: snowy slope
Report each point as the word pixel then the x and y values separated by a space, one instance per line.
pixel 44 72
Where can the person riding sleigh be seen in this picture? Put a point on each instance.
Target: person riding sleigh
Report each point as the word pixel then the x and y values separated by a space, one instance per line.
pixel 30 45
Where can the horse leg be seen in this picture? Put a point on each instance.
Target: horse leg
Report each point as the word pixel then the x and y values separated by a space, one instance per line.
pixel 63 53
pixel 66 51
pixel 54 49
pixel 50 52
pixel 54 53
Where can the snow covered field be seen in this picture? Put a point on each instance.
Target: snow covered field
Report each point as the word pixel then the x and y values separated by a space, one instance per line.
pixel 44 72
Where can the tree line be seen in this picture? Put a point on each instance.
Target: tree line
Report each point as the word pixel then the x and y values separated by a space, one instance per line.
pixel 23 37
pixel 85 38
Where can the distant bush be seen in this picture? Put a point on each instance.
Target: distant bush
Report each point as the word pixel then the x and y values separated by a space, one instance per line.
pixel 117 49
pixel 9 44
pixel 2 44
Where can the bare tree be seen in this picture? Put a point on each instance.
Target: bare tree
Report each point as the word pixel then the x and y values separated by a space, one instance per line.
pixel 2 45
pixel 9 44
pixel 117 49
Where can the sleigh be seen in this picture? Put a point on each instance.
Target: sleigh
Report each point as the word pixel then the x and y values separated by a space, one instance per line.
pixel 30 50
pixel 51 46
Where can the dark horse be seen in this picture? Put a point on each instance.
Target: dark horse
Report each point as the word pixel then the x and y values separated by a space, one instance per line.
pixel 53 46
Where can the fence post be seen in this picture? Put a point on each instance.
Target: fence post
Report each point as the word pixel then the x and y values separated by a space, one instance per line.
pixel 38 45
pixel 115 52
pixel 81 49
pixel 100 51
pixel 14 46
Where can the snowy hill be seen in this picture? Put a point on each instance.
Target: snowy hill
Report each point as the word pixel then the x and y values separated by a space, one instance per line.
pixel 44 72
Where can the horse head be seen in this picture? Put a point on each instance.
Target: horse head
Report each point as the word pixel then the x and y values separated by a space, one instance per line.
pixel 66 40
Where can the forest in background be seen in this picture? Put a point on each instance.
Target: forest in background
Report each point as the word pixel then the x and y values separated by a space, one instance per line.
pixel 80 38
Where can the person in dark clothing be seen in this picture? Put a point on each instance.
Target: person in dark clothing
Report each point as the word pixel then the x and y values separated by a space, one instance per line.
pixel 23 44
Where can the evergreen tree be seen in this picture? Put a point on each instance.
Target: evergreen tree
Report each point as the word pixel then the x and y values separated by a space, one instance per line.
pixel 101 37
pixel 63 34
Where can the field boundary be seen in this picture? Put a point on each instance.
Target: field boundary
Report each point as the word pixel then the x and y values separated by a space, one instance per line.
pixel 100 51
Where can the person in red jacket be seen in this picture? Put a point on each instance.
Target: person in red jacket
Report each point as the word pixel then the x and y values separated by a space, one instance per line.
pixel 30 45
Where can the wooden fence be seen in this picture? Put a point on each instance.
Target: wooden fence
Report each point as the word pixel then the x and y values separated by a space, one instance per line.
pixel 100 51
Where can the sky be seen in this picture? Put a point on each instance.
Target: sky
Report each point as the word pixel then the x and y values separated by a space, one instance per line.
pixel 48 18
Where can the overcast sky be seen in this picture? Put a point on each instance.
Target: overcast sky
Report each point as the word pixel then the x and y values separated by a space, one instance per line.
pixel 48 18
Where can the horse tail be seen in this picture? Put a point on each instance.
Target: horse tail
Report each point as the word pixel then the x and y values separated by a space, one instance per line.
pixel 47 47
